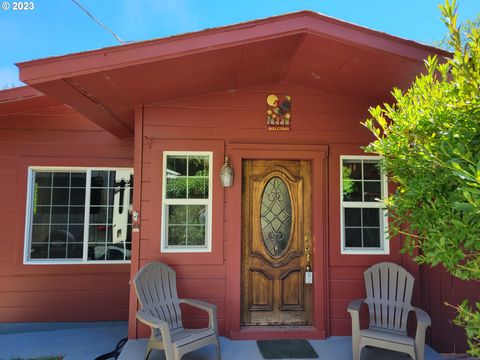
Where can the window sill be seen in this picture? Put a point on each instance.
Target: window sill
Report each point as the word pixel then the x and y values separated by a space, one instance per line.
pixel 95 262
pixel 185 251
pixel 366 252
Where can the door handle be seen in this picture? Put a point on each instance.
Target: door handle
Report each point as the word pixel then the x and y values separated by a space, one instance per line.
pixel 308 247
pixel 308 268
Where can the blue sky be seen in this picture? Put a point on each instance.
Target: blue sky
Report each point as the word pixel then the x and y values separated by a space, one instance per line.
pixel 57 27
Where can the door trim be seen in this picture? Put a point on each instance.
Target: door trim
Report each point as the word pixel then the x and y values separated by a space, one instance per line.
pixel 317 154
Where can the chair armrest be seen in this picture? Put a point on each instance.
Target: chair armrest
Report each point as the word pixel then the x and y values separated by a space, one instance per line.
pixel 355 306
pixel 354 310
pixel 151 320
pixel 211 309
pixel 423 321
pixel 422 317
pixel 199 304
pixel 155 324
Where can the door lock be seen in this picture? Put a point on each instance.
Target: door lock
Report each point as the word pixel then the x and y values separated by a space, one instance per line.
pixel 308 267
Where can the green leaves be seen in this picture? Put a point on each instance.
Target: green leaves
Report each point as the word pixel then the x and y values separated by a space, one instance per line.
pixel 430 144
pixel 469 319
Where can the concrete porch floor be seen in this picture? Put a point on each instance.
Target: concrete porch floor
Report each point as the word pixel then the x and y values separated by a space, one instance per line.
pixel 333 348
pixel 74 341
pixel 86 341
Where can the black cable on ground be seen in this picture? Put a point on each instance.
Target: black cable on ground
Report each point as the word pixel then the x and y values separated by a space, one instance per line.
pixel 115 353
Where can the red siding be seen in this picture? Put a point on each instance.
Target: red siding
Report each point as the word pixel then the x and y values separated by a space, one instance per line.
pixel 439 287
pixel 239 117
pixel 54 135
pixel 46 135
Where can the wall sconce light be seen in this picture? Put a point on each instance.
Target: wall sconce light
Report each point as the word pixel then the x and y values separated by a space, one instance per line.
pixel 226 174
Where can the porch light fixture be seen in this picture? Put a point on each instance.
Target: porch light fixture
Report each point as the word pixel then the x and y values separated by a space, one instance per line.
pixel 226 174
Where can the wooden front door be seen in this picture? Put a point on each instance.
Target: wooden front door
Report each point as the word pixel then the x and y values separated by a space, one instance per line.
pixel 276 223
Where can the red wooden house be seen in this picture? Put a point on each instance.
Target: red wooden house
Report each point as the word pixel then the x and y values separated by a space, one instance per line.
pixel 112 158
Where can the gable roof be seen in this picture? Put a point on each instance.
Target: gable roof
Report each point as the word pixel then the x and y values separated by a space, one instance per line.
pixel 304 49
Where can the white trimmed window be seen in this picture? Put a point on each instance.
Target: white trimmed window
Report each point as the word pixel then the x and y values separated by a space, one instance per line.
pixel 187 202
pixel 364 226
pixel 78 215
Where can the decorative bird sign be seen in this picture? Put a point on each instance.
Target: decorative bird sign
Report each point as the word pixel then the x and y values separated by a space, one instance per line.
pixel 278 113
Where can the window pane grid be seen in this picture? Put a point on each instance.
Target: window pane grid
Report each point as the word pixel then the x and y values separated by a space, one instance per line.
pixel 362 221
pixel 52 226
pixel 187 201
pixel 362 213
pixel 358 185
pixel 186 225
pixel 187 177
pixel 49 225
pixel 363 191
pixel 59 214
pixel 109 220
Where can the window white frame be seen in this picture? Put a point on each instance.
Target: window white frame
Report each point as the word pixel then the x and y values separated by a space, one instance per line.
pixel 164 248
pixel 384 242
pixel 29 217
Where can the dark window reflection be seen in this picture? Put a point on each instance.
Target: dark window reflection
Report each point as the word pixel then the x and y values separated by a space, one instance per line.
pixel 58 214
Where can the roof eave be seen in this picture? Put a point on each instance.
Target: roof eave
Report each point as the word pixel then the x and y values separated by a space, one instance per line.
pixel 54 68
pixel 18 94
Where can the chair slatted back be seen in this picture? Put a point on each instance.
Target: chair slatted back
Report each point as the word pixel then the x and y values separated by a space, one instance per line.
pixel 389 293
pixel 156 288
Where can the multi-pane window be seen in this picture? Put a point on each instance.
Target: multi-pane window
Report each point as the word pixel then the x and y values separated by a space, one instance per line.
pixel 187 199
pixel 79 215
pixel 363 218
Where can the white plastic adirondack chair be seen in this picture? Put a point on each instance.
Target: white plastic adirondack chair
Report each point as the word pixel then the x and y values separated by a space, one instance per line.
pixel 389 292
pixel 155 285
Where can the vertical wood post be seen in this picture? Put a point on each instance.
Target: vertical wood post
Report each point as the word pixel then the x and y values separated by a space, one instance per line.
pixel 137 202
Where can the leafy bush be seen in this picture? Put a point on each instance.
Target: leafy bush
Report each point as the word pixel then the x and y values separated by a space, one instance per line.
pixel 430 144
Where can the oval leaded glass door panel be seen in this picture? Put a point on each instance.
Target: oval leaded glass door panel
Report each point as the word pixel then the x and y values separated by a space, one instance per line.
pixel 276 216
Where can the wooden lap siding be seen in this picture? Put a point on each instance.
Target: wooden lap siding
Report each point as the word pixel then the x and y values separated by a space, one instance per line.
pixel 54 136
pixel 239 117
pixel 439 287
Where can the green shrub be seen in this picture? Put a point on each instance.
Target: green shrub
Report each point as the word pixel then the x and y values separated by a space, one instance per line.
pixel 430 144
